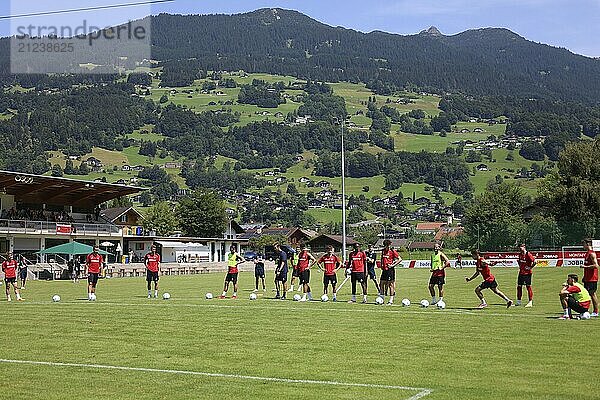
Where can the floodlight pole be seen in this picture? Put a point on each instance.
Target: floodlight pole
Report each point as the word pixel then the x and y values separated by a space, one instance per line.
pixel 343 197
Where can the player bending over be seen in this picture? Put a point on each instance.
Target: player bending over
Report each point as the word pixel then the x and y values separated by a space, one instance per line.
pixel 590 274
pixel 575 297
pixel 389 259
pixel 9 267
pixel 489 281
pixel 439 263
pixel 526 264
pixel 152 261
pixel 331 263
pixel 233 261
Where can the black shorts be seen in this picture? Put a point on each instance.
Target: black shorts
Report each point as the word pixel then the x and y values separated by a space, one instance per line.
pixel 371 272
pixel 10 280
pixel 591 287
pixel 437 280
pixel 327 279
pixel 151 276
pixel 305 276
pixel 388 275
pixel 231 277
pixel 23 274
pixel 488 285
pixel 524 280
pixel 281 276
pixel 575 305
pixel 295 273
pixel 93 279
pixel 357 277
pixel 259 272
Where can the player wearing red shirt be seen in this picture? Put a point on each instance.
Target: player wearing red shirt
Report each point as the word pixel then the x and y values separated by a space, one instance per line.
pixel 233 261
pixel 439 263
pixel 357 262
pixel 9 267
pixel 331 263
pixel 574 296
pixel 489 281
pixel 590 274
pixel 526 264
pixel 152 261
pixel 387 282
pixel 93 263
pixel 305 261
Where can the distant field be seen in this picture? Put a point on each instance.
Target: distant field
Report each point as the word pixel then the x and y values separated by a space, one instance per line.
pixel 192 348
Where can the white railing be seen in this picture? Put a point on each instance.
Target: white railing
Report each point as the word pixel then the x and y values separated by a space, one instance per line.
pixel 9 226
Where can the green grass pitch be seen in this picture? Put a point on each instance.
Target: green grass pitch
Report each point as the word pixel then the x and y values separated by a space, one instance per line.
pixel 177 349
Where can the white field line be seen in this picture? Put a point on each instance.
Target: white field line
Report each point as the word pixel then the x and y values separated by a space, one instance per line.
pixel 394 309
pixel 422 392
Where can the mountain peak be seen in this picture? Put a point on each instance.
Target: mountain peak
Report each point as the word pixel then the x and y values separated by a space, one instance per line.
pixel 431 31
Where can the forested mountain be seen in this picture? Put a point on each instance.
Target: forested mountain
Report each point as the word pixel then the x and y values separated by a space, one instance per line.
pixel 483 61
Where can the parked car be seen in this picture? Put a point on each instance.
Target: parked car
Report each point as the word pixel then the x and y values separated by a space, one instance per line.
pixel 250 256
pixel 271 255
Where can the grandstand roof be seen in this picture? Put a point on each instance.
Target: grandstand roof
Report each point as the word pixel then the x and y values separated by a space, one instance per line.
pixel 39 189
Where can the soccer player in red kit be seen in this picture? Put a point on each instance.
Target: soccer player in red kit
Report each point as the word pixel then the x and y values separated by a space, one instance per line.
pixel 526 264
pixel 489 281
pixel 9 267
pixel 357 262
pixel 331 263
pixel 152 261
pixel 590 274
pixel 93 263
pixel 389 259
pixel 305 261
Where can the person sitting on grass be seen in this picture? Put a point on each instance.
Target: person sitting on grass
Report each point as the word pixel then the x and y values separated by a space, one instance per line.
pixel 574 297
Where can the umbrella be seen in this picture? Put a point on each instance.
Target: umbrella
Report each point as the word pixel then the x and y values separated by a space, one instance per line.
pixel 72 248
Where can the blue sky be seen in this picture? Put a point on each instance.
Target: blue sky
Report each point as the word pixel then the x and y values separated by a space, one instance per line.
pixel 564 23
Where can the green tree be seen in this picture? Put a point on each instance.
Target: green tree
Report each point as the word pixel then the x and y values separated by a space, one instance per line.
pixel 57 171
pixel 259 243
pixel 161 219
pixel 202 214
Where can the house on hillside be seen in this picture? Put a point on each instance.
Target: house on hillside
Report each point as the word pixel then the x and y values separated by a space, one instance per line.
pixel 429 228
pixel 94 163
pixel 482 167
pixel 122 216
pixel 323 184
pixel 126 168
pixel 319 243
pixel 448 232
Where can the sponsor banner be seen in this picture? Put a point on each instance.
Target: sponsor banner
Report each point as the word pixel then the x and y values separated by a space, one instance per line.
pixel 63 229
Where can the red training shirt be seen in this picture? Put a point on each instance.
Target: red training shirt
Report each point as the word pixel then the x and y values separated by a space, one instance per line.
pixel 388 258
pixel 152 261
pixel 358 259
pixel 303 261
pixel 484 270
pixel 330 262
pixel 10 269
pixel 526 262
pixel 94 263
pixel 590 274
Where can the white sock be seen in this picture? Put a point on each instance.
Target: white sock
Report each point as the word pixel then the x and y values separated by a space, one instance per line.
pixel 441 298
pixel 433 300
pixel 567 312
pixel 156 293
pixel 234 294
pixel 391 299
pixel 334 295
pixel 291 288
pixel 224 294
pixel 309 294
pixel 149 292
pixel 364 297
pixel 353 297
pixel 18 296
pixel 8 297
pixel 483 301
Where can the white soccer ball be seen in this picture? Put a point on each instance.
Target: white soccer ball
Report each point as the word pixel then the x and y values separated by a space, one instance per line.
pixel 585 315
pixel 253 296
pixel 166 296
pixel 92 297
pixel 324 298
pixel 56 298
pixel 209 296
pixel 379 300
pixel 405 302
pixel 424 303
pixel 441 305
pixel 297 297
